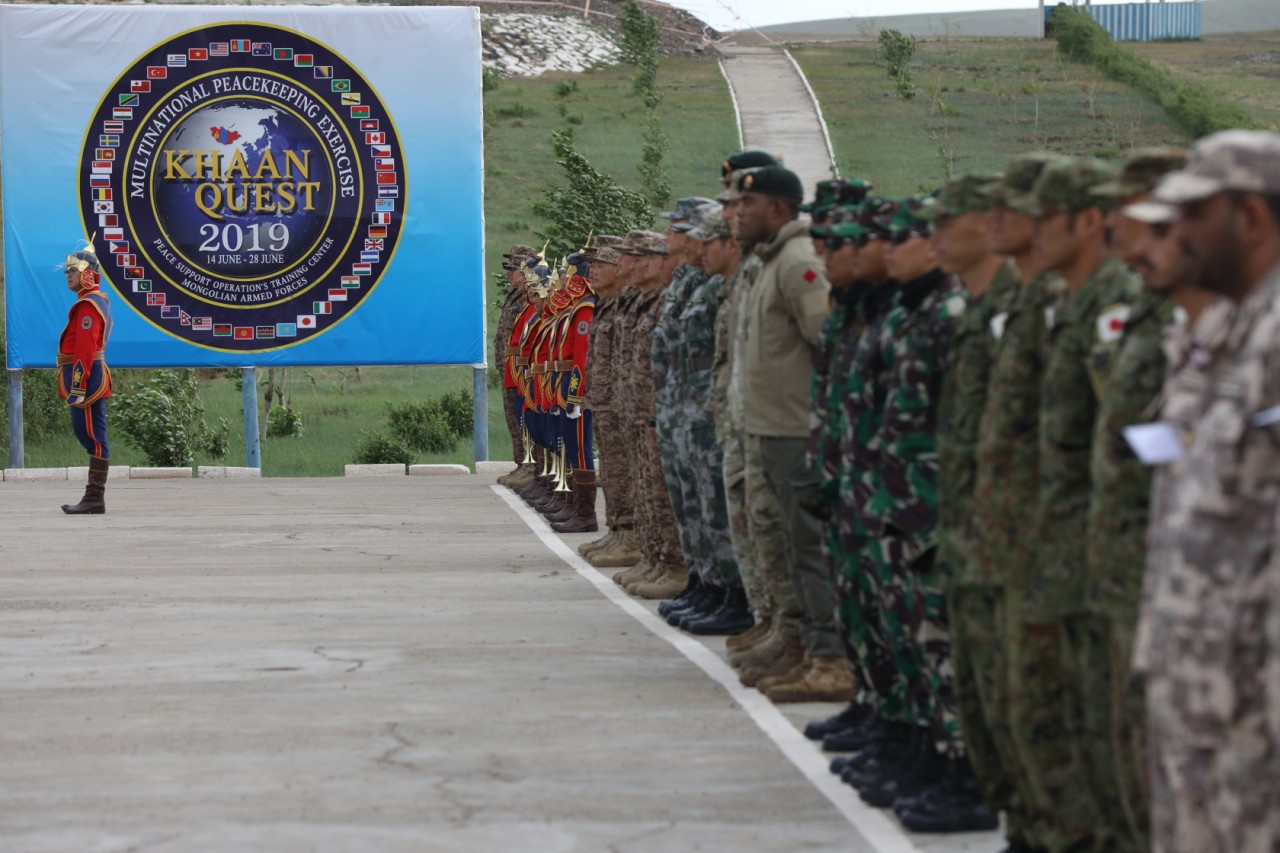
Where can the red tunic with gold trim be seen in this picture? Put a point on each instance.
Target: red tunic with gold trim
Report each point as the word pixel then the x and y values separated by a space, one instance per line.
pixel 82 370
pixel 511 365
pixel 573 350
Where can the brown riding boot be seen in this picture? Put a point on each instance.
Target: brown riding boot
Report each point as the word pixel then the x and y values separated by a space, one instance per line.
pixel 583 519
pixel 92 502
pixel 623 552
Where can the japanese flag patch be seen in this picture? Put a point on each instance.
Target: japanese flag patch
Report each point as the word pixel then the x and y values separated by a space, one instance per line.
pixel 810 276
pixel 1111 323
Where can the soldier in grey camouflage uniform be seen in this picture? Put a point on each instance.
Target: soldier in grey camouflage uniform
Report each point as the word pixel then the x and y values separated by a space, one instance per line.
pixel 1205 639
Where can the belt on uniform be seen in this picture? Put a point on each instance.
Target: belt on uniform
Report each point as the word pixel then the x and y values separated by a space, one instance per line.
pixel 695 364
pixel 521 361
pixel 70 357
pixel 562 364
pixel 513 350
pixel 538 368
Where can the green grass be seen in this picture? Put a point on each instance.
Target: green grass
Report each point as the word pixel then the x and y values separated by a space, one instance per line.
pixel 979 102
pixel 336 405
pixel 1241 69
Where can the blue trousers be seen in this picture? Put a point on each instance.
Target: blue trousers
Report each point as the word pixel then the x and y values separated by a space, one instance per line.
pixel 90 426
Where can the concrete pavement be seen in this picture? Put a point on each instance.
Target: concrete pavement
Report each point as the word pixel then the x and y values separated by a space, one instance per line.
pixel 388 663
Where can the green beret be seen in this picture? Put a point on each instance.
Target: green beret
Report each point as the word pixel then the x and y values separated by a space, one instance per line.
pixel 772 180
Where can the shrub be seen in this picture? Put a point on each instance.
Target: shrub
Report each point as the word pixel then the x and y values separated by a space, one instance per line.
pixel 421 426
pixel 381 449
pixel 44 413
pixel 490 79
pixel 284 422
pixel 459 414
pixel 163 417
pixel 897 50
pixel 565 88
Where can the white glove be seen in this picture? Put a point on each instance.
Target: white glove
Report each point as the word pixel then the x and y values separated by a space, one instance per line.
pixel 575 412
pixel 75 401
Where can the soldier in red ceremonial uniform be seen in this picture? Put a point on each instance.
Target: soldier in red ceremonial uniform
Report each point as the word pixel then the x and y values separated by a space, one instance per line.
pixel 84 380
pixel 576 430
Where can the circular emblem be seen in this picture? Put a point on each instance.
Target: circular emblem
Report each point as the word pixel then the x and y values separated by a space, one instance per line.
pixel 245 185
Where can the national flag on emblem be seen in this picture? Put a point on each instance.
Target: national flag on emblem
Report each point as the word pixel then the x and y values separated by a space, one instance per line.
pixel 389 192
pixel 360 112
pixel 108 220
pixel 197 54
pixel 362 269
pixel 104 153
pixel 323 72
pixel 239 45
pixel 111 139
pixel 266 332
pixel 380 150
pixel 377 231
pixel 350 99
pixel 103 195
pixel 170 312
pixel 371 257
pixel 113 234
pixel 374 245
pixel 337 295
pixel 184 318
pixel 349 281
pixel 367 124
pixel 222 330
pixel 104 207
pixel 286 330
pixel 113 127
pixel 243 333
pixel 99 181
pixel 340 85
pixel 155 298
pixel 129 100
pixel 177 60
pixel 157 72
pixel 126 260
pixel 117 247
pixel 304 60
pixel 306 321
pixel 142 285
pixel 283 53
pixel 377 138
pixel 101 167
pixel 201 324
pixel 385 205
pixel 322 307
pixel 218 48
pixel 386 178
pixel 122 112
pixel 261 48
pixel 136 272
pixel 142 86
pixel 384 164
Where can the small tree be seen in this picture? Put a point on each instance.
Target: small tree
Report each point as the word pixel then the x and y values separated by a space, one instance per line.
pixel 657 187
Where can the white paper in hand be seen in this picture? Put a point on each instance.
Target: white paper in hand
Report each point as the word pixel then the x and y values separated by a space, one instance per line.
pixel 1155 444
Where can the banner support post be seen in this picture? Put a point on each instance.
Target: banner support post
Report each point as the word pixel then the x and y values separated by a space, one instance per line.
pixel 15 419
pixel 249 401
pixel 480 414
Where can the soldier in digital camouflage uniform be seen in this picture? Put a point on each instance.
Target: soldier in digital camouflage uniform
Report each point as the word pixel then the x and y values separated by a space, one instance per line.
pixel 515 307
pixel 1206 643
pixel 1004 502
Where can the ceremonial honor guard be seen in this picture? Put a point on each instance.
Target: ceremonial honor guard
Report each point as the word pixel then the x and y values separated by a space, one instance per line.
pixel 84 380
pixel 573 340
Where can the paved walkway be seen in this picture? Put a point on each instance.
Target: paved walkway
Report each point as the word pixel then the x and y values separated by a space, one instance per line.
pixel 777 111
pixel 391 663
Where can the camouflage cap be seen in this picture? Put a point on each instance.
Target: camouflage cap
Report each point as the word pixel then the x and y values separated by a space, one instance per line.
pixel 712 227
pixel 684 208
pixel 1019 177
pixel 772 180
pixel 695 219
pixel 637 242
pixel 875 210
pixel 599 243
pixel 854 191
pixel 1142 170
pixel 1243 160
pixel 910 217
pixel 1066 185
pixel 965 194
pixel 517 255
pixel 746 160
pixel 825 196
pixel 607 255
pixel 838 215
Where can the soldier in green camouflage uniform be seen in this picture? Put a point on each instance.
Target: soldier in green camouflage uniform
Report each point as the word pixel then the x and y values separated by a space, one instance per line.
pixel 1005 493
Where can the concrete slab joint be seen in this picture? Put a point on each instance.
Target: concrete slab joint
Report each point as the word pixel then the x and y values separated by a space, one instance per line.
pixel 390 469
pixel 227 472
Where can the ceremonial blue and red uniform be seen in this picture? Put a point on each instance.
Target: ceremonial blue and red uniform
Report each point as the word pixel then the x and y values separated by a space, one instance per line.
pixel 512 379
pixel 84 380
pixel 572 356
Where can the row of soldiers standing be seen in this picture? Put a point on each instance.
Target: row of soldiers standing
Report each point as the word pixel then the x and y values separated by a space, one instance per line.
pixel 955 536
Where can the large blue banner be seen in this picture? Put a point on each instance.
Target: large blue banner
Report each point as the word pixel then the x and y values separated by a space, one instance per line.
pixel 264 186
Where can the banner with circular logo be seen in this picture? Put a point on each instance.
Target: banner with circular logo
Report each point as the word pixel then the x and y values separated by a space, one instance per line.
pixel 246 186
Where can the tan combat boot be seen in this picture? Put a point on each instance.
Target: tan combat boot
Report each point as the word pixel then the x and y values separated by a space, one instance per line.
pixel 631 574
pixel 586 549
pixel 764 650
pixel 523 476
pixel 672 580
pixel 751 636
pixel 790 654
pixel 623 552
pixel 655 571
pixel 794 674
pixel 825 679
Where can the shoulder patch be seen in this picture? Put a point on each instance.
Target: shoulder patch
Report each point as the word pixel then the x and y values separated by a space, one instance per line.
pixel 583 327
pixel 1111 323
pixel 810 276
pixel 86 322
pixel 997 324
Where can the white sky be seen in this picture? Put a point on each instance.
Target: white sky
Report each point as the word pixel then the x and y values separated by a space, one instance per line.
pixel 741 14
